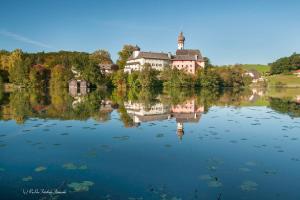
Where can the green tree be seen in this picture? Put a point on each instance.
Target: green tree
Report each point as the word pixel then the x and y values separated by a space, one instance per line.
pixel 208 79
pixel 92 74
pixel 285 64
pixel 60 76
pixel 101 57
pixel 120 79
pixel 124 54
pixel 176 78
pixel 133 79
pixel 39 76
pixel 19 68
pixel 148 77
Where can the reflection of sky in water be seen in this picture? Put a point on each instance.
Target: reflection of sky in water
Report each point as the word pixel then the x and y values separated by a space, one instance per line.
pixel 230 153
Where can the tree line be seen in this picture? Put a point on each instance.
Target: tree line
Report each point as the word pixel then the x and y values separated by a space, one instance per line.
pixel 285 64
pixel 57 68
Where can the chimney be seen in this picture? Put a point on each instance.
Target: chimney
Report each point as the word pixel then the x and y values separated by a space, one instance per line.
pixel 196 57
pixel 169 55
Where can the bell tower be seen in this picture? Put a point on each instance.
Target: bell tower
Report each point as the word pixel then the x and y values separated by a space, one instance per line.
pixel 181 40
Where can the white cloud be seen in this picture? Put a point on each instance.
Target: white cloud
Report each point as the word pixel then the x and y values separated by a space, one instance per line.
pixel 23 39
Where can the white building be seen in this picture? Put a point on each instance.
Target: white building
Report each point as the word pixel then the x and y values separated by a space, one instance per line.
pixel 188 60
pixel 139 58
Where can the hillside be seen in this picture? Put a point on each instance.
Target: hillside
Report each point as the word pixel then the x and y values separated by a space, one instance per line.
pixel 260 68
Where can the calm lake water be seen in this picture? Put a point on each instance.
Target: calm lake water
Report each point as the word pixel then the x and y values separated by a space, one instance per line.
pixel 150 145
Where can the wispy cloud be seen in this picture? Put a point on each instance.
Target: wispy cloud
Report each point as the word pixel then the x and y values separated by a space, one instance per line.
pixel 24 39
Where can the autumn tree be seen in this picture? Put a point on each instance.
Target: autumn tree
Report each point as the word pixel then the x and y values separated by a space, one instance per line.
pixel 101 57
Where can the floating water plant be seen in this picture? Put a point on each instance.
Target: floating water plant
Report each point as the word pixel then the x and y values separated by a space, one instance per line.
pixel 251 163
pixel 160 135
pixel 121 138
pixel 72 166
pixel 27 178
pixel 81 186
pixel 244 169
pixel 40 169
pixel 270 172
pixel 212 181
pixel 248 186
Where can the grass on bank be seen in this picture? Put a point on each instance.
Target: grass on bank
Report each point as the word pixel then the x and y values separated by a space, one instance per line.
pixel 260 68
pixel 283 80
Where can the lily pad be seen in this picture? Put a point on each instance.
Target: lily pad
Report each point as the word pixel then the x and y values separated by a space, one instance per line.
pixel 72 166
pixel 248 186
pixel 27 178
pixel 244 169
pixel 160 135
pixel 81 186
pixel 40 169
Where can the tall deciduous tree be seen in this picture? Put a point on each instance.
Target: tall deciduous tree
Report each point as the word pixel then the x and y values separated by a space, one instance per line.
pixel 18 68
pixel 101 57
pixel 124 54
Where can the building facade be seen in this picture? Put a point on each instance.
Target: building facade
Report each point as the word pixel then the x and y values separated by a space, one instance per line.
pixel 139 58
pixel 188 60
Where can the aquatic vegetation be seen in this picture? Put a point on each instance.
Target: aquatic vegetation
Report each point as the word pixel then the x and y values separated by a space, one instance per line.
pixel 160 135
pixel 2 145
pixel 248 186
pixel 92 153
pixel 270 172
pixel 295 159
pixel 212 181
pixel 212 168
pixel 2 169
pixel 69 166
pixel 40 169
pixel 72 166
pixel 244 169
pixel 251 163
pixel 27 178
pixel 121 138
pixel 168 145
pixel 83 186
pixel 135 198
pixel 205 177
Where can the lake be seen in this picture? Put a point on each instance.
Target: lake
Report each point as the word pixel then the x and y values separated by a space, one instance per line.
pixel 137 144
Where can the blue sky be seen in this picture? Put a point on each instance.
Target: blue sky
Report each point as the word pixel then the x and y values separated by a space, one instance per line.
pixel 226 31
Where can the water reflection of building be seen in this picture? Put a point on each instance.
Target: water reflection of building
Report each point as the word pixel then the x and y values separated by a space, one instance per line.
pixel 187 112
pixel 141 113
pixel 298 99
pixel 78 89
pixel 256 94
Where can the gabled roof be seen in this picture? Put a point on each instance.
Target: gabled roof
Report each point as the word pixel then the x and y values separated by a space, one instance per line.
pixel 188 54
pixel 151 55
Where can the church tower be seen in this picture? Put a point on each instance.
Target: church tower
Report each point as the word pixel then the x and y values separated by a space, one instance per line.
pixel 181 40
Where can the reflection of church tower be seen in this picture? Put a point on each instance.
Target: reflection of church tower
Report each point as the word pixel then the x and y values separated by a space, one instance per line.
pixel 181 40
pixel 180 131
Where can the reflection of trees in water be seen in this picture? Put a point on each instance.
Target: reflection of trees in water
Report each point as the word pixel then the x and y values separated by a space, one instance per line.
pixel 285 106
pixel 57 103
